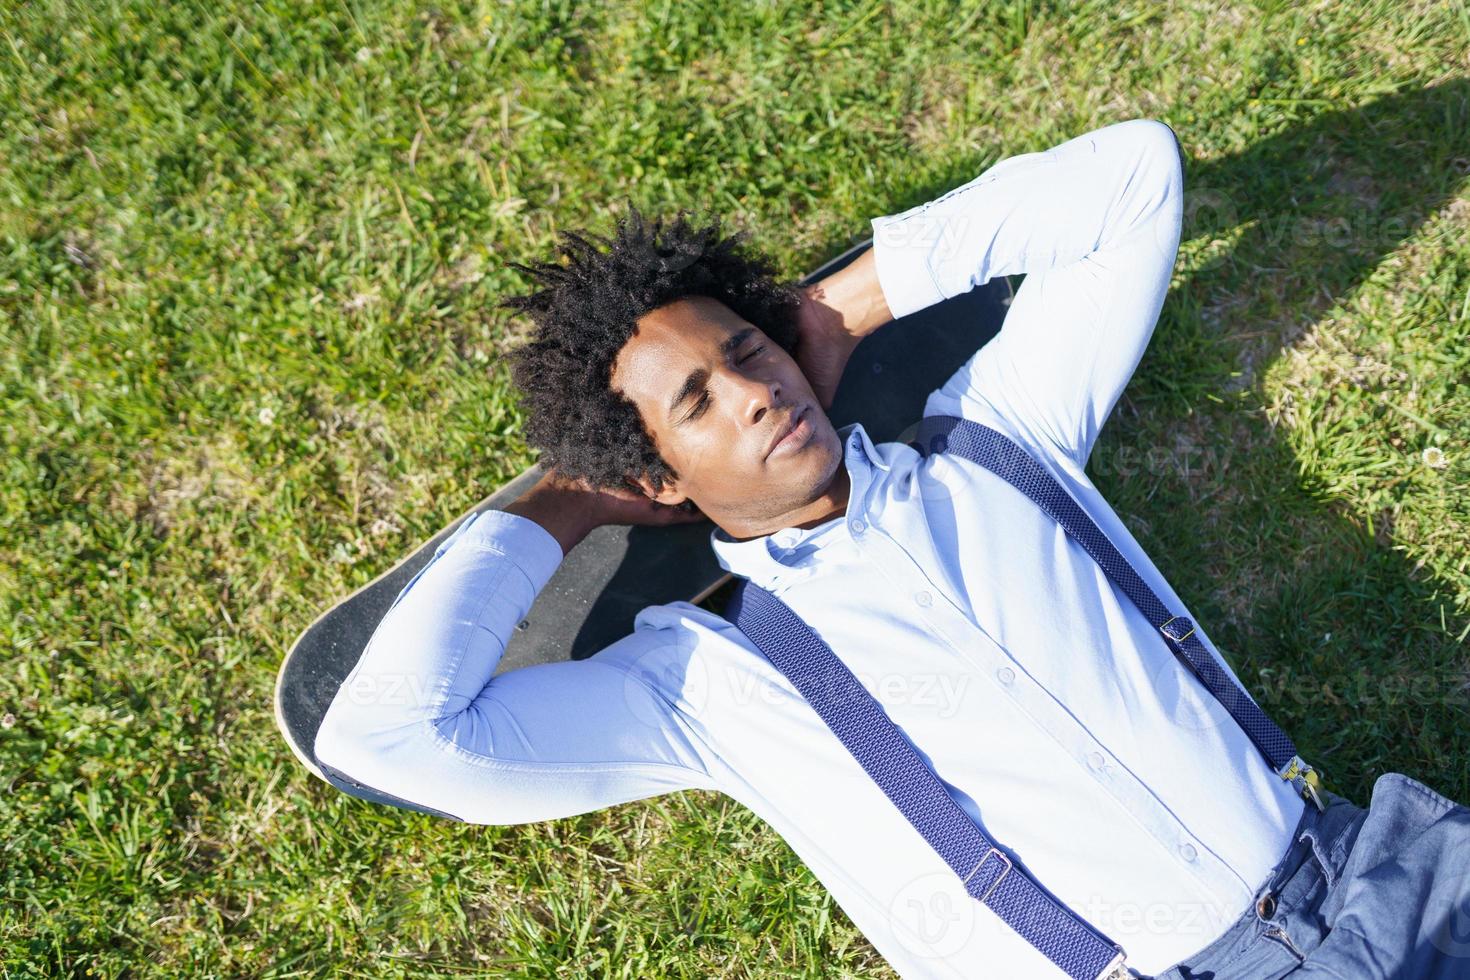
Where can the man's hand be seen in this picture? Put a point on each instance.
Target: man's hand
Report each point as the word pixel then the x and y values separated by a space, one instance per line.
pixel 569 508
pixel 624 505
pixel 823 347
pixel 836 313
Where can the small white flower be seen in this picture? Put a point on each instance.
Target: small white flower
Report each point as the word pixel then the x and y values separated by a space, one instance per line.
pixel 481 356
pixel 266 415
pixel 1434 458
pixel 364 54
pixel 8 721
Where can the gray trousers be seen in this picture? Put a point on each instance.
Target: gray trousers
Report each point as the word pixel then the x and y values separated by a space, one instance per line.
pixel 1382 892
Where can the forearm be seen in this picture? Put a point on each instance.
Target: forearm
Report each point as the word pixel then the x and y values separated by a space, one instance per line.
pixel 420 716
pixel 854 297
pixel 563 514
pixel 1029 212
pixel 440 642
pixel 478 584
pixel 1098 262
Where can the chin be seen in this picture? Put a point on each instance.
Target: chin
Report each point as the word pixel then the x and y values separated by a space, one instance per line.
pixel 808 471
pixel 826 447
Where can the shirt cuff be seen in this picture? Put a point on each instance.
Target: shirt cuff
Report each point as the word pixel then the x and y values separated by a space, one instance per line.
pixel 902 245
pixel 529 545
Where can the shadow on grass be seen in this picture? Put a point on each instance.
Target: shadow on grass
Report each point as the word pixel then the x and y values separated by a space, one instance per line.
pixel 1331 629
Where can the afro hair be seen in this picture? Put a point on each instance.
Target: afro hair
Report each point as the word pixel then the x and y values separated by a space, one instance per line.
pixel 584 312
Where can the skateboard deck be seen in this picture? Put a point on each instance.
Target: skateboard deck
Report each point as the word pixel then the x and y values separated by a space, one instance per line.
pixel 592 598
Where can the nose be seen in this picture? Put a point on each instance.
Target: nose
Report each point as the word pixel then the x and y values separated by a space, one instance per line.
pixel 758 396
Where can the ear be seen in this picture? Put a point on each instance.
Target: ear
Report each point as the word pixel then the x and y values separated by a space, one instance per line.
pixel 670 495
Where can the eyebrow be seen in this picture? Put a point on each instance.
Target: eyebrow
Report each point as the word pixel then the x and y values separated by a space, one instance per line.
pixel 698 377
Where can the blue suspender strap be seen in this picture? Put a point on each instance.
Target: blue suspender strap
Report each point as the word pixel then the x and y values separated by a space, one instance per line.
pixel 995 452
pixel 988 873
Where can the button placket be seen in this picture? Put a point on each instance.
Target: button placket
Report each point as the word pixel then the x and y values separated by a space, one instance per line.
pixel 1048 715
pixel 1119 783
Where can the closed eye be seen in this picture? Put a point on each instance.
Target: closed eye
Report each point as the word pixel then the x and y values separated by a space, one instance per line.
pixel 703 404
pixel 699 408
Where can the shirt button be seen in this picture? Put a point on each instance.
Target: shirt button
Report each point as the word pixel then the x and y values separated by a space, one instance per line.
pixel 858 527
pixel 1005 675
pixel 923 598
pixel 1095 760
pixel 1188 852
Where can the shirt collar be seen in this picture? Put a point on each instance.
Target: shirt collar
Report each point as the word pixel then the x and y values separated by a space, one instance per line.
pixel 787 555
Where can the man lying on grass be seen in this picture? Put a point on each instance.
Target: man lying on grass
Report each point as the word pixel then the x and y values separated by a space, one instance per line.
pixel 1137 802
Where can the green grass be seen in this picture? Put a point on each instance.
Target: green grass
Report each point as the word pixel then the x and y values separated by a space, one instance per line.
pixel 208 211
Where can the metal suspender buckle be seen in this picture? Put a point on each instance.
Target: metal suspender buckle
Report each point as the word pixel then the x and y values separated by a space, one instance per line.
pixel 998 878
pixel 1305 779
pixel 1185 624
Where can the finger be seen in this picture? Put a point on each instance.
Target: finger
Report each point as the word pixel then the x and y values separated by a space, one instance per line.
pixel 677 516
pixel 679 513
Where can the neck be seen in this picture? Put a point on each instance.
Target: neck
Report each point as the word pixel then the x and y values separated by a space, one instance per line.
pixel 831 503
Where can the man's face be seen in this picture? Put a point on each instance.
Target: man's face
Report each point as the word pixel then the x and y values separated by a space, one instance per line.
pixel 716 393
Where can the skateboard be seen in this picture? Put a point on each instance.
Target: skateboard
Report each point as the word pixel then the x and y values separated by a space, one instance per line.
pixel 616 570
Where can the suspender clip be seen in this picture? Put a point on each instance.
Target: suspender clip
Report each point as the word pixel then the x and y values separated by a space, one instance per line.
pixel 1306 781
pixel 1116 970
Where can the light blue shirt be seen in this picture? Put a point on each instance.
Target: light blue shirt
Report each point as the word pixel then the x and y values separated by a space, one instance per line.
pixel 1052 709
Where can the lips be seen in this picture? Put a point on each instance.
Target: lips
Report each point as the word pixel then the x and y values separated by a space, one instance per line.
pixel 792 421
